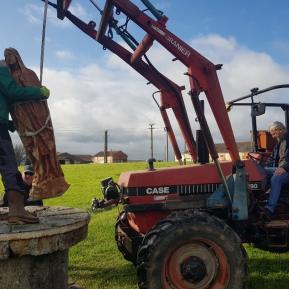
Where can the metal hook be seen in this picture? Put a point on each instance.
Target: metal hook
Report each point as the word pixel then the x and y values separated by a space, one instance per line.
pixel 110 33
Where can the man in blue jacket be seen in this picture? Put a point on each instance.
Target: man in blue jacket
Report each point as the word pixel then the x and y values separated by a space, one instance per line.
pixel 279 166
pixel 10 93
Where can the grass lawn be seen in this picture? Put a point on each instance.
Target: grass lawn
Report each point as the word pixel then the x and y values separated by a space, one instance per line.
pixel 95 263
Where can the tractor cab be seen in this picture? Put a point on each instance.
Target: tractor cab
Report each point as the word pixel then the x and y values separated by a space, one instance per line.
pixel 262 140
pixel 263 144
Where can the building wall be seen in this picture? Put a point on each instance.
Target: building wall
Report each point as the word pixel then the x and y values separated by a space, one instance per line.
pixel 65 161
pixel 98 160
pixel 110 159
pixel 222 156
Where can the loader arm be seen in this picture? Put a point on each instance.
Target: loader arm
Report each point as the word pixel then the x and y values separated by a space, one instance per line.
pixel 171 95
pixel 202 72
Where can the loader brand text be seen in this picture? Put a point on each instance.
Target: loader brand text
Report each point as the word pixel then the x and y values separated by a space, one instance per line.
pixel 162 33
pixel 158 191
pixel 174 42
pixel 181 48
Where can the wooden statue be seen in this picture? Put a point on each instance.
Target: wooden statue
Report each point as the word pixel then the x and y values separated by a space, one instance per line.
pixel 33 123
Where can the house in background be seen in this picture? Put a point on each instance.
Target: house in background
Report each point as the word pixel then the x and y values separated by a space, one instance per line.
pixel 112 157
pixel 66 158
pixel 243 147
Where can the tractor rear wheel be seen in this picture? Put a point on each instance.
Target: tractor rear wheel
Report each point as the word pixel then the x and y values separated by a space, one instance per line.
pixel 192 250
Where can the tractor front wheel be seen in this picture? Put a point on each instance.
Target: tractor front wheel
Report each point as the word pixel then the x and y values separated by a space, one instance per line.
pixel 191 250
pixel 127 240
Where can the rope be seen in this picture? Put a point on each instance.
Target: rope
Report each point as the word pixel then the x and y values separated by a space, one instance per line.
pixel 43 39
pixel 34 133
pixel 97 7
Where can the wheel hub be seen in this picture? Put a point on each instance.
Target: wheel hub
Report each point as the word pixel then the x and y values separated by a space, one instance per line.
pixel 193 265
pixel 193 269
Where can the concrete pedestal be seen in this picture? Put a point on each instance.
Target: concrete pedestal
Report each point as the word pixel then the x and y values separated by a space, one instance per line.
pixel 36 256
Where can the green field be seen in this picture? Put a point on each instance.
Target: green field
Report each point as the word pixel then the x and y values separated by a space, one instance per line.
pixel 96 263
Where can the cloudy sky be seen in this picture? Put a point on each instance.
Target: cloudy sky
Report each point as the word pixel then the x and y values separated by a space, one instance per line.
pixel 92 90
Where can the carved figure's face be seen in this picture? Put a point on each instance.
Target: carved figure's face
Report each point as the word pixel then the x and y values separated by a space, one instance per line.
pixel 10 58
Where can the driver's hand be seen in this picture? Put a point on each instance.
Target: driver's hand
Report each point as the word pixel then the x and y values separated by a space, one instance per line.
pixel 279 171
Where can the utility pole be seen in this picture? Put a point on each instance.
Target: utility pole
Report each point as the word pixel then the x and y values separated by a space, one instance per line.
pixel 105 146
pixel 167 144
pixel 185 150
pixel 152 144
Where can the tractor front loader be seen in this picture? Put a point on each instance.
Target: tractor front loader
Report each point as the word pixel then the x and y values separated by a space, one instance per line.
pixel 183 227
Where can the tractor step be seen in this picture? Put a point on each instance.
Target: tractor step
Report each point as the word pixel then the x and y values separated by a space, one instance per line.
pixel 277 224
pixel 277 233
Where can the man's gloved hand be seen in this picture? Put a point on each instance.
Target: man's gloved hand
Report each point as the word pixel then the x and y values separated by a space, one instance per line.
pixel 45 91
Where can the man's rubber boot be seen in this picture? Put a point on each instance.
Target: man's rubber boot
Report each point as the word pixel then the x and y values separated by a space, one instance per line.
pixel 17 213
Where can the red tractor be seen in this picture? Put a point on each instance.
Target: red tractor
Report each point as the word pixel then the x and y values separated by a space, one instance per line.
pixel 183 227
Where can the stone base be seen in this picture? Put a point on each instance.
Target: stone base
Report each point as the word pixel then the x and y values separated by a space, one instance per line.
pixel 35 256
pixel 35 272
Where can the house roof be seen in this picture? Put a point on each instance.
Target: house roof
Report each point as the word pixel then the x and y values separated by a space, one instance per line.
pixel 245 146
pixel 82 158
pixel 115 154
pixel 65 155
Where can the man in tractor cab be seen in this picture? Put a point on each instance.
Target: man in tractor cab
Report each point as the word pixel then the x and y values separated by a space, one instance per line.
pixel 277 168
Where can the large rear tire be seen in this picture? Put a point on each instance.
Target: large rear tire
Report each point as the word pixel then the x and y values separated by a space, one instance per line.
pixel 192 250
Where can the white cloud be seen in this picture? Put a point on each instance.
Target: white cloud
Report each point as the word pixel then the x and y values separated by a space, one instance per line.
pixel 35 13
pixel 282 48
pixel 79 10
pixel 91 99
pixel 32 13
pixel 64 55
